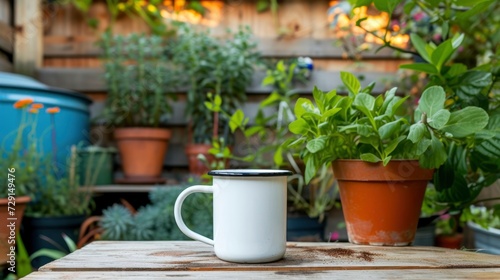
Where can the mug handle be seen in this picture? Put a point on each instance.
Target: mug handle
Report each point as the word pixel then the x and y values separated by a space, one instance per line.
pixel 178 215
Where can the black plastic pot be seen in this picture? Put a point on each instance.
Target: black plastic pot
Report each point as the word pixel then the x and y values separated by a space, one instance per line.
pixel 303 228
pixel 47 232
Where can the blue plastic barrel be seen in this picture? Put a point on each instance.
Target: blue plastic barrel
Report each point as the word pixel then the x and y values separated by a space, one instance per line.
pixel 71 123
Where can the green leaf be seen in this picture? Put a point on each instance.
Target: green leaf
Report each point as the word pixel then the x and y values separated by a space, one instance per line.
pixel 217 100
pixel 393 145
pixel 296 142
pixel 237 120
pixel 253 130
pixel 457 40
pixel 278 157
pixel 50 253
pixel 386 5
pixel 472 82
pixel 316 144
pixel 298 126
pixel 386 160
pixel 311 169
pixel 419 45
pixel 369 157
pixel 388 96
pixel 302 106
pixel 434 156
pixel 209 105
pixel 351 82
pixel 394 105
pixel 388 129
pixel 364 130
pixel 439 119
pixel 417 132
pixel 409 6
pixel 319 98
pixel 422 146
pixel 466 121
pixel 422 67
pixel 331 112
pixel 69 242
pixel 364 102
pixel 272 98
pixel 268 80
pixel 431 101
pixel 480 7
pixel 441 54
pixel 262 5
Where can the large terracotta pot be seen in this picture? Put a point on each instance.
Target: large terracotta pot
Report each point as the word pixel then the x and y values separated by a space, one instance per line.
pixel 7 236
pixel 381 204
pixel 142 150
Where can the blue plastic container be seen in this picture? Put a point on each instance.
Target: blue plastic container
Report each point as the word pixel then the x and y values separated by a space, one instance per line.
pixel 71 123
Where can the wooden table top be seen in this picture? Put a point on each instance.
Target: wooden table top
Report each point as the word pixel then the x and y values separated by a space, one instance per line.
pixel 195 260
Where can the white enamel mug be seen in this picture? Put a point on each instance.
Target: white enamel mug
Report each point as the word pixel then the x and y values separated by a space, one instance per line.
pixel 249 214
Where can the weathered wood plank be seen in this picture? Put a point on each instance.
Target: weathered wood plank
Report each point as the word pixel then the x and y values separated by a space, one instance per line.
pixel 196 256
pixel 85 46
pixel 5 65
pixel 28 34
pixel 6 37
pixel 92 80
pixel 471 273
pixel 5 11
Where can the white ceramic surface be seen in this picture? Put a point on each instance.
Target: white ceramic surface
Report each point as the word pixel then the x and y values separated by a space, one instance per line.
pixel 249 215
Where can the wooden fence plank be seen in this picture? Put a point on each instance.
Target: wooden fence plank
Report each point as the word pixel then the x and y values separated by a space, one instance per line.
pixel 6 37
pixel 92 80
pixel 85 46
pixel 28 33
pixel 5 65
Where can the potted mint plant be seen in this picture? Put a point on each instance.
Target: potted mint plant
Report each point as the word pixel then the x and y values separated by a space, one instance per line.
pixel 382 159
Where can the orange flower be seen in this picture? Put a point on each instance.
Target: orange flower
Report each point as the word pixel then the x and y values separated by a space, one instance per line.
pixel 33 110
pixel 53 110
pixel 23 103
pixel 37 106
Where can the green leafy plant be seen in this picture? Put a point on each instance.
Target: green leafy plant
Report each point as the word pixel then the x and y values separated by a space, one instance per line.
pixel 54 191
pixel 61 194
pixel 483 216
pixel 362 126
pixel 463 58
pixel 53 253
pixel 221 68
pixel 141 80
pixel 156 221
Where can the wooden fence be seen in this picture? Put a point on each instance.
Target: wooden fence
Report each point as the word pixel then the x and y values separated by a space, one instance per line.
pixel 54 43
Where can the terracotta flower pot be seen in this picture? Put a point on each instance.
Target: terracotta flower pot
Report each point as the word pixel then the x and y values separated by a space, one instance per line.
pixel 449 241
pixel 142 150
pixel 196 166
pixel 381 204
pixel 5 229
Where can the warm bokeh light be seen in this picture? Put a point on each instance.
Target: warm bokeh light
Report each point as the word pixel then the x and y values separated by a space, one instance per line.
pixel 375 22
pixel 176 10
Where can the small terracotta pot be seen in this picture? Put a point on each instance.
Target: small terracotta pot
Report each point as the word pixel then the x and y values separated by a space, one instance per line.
pixel 196 166
pixel 142 150
pixel 5 229
pixel 449 241
pixel 381 204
